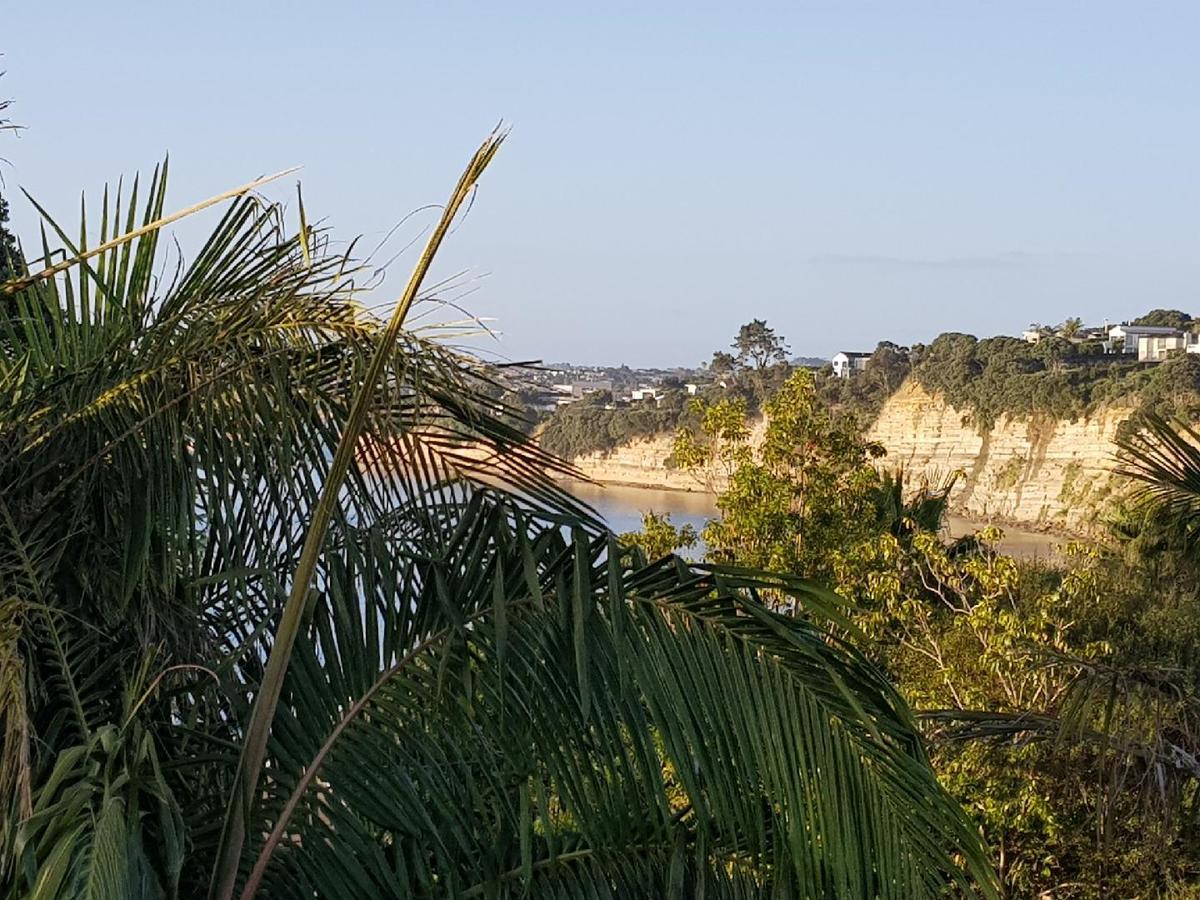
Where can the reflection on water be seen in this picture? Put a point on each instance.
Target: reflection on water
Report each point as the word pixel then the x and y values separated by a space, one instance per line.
pixel 622 507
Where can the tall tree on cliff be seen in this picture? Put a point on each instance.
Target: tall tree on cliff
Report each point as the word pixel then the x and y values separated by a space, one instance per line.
pixel 757 343
pixel 10 254
pixel 762 354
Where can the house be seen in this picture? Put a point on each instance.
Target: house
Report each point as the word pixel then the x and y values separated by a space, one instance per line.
pixel 1124 338
pixel 847 363
pixel 646 393
pixel 1157 347
pixel 581 388
pixel 575 390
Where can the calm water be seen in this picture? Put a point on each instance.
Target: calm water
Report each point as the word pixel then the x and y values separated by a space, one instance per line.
pixel 622 507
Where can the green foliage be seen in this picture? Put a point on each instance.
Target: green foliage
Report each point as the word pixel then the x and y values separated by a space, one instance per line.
pixel 1055 378
pixel 1165 318
pixel 595 424
pixel 598 424
pixel 863 395
pixel 11 262
pixel 1062 701
pixel 485 693
pixel 660 537
pixel 787 499
pixel 758 346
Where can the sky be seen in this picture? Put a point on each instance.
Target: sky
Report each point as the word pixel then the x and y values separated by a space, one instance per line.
pixel 849 171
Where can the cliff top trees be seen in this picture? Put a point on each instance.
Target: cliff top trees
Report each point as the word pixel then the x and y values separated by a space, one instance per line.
pixel 1165 318
pixel 758 344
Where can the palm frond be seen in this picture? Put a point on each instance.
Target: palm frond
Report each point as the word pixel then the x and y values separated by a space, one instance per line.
pixel 1163 458
pixel 655 720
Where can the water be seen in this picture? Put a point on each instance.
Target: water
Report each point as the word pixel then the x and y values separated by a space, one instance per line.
pixel 622 507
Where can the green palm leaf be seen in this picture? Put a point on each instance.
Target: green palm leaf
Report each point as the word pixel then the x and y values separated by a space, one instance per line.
pixel 1163 458
pixel 697 736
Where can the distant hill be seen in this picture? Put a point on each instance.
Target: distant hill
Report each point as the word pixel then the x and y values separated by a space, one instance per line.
pixel 810 362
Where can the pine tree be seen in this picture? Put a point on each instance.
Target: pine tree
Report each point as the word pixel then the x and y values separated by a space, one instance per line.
pixel 11 262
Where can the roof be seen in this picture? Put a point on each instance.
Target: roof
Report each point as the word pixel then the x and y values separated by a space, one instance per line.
pixel 1145 329
pixel 853 354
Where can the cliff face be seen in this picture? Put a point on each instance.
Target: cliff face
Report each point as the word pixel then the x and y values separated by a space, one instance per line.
pixel 1042 472
pixel 643 463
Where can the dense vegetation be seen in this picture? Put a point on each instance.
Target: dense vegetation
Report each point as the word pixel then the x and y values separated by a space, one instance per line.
pixel 596 424
pixel 1054 377
pixel 289 609
pixel 1062 700
pixel 863 395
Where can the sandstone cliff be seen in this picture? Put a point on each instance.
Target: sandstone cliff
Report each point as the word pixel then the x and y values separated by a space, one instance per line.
pixel 1038 472
pixel 641 462
pixel 1042 472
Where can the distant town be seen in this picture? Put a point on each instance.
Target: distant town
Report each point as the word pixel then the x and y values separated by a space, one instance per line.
pixel 555 385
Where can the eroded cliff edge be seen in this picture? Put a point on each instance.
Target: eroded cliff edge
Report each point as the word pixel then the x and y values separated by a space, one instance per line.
pixel 1044 472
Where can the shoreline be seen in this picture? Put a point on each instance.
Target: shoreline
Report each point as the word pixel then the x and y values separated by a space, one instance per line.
pixel 1004 522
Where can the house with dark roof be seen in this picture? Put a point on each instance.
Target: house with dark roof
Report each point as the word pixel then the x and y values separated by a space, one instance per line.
pixel 847 363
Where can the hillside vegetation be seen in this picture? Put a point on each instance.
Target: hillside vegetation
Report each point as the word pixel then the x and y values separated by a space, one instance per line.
pixel 987 378
pixel 1007 376
pixel 1059 698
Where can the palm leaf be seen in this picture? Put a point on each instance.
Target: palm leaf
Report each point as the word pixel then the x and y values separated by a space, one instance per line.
pixel 697 738
pixel 1163 458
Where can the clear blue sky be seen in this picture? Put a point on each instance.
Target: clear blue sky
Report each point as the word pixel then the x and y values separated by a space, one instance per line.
pixel 849 171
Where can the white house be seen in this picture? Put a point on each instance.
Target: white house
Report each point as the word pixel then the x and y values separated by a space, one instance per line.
pixel 1157 347
pixel 1124 338
pixel 847 363
pixel 646 393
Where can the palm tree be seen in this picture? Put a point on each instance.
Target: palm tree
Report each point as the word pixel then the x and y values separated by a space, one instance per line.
pixel 902 511
pixel 289 607
pixel 1163 458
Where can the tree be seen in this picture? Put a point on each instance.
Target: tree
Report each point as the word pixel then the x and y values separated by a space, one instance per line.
pixel 889 365
pixel 1165 318
pixel 11 263
pixel 1070 328
pixel 1036 683
pixel 756 343
pixel 288 608
pixel 804 490
pixel 722 366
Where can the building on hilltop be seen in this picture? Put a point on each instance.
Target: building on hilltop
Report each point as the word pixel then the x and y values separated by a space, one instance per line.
pixel 1124 338
pixel 847 363
pixel 581 388
pixel 1157 347
pixel 646 393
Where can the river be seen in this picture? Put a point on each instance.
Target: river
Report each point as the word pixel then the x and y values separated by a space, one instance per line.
pixel 622 507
